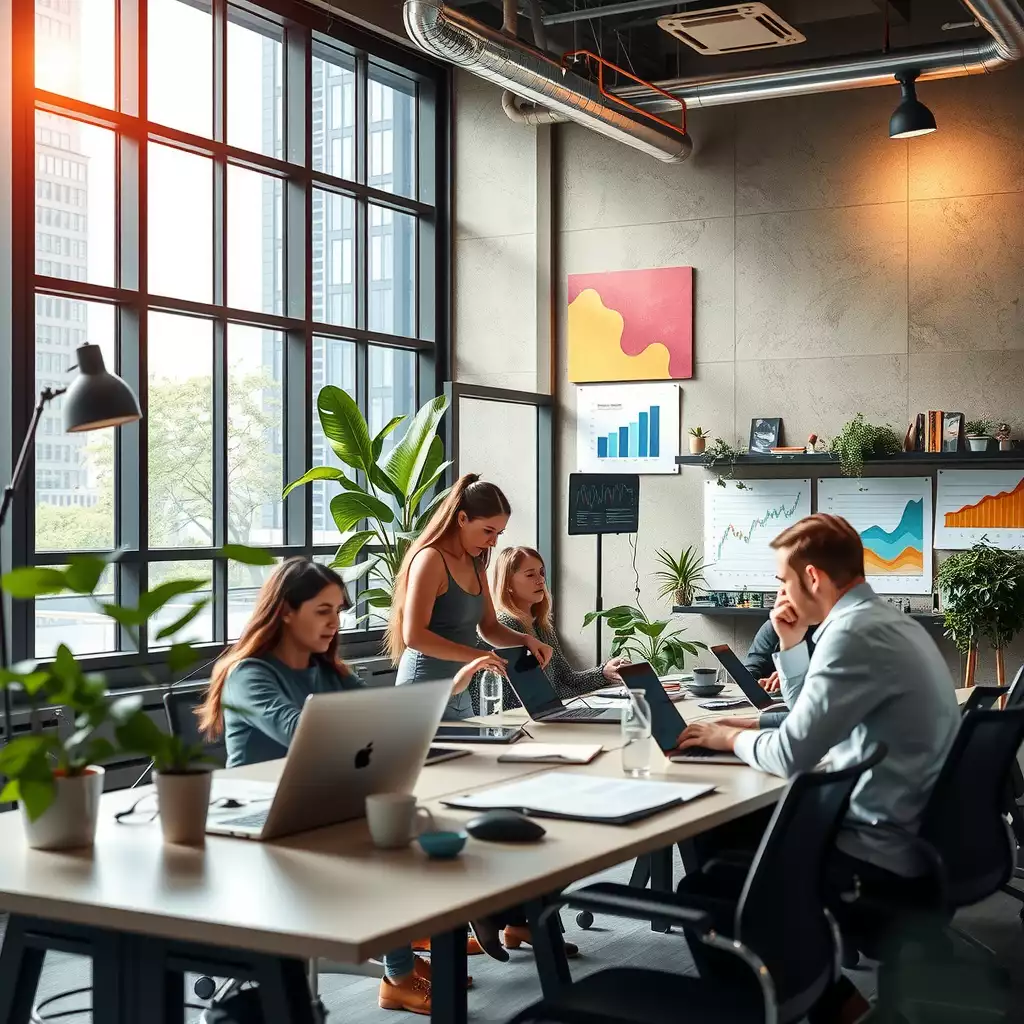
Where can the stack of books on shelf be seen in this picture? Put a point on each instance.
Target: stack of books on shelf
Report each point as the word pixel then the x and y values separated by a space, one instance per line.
pixel 936 431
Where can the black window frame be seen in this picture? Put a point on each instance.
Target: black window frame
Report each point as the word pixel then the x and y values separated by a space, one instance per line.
pixel 304 30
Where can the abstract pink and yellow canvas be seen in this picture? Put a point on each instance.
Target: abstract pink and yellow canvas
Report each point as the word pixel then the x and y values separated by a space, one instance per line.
pixel 631 325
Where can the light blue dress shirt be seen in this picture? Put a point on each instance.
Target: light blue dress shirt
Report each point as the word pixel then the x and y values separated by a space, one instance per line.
pixel 875 676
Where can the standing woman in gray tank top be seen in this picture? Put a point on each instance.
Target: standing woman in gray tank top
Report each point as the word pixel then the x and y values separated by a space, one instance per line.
pixel 442 601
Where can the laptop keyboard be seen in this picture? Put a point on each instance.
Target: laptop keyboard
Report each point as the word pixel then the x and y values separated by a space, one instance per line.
pixel 699 752
pixel 580 713
pixel 247 820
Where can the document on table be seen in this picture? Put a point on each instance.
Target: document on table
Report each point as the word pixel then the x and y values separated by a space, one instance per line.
pixel 553 753
pixel 582 797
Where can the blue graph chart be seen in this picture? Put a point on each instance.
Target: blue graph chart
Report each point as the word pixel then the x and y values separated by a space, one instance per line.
pixel 639 439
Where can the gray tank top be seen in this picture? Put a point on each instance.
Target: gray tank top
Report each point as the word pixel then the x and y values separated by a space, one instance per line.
pixel 456 616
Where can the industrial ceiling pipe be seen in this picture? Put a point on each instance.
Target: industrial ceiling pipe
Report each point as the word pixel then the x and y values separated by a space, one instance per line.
pixel 1002 19
pixel 449 34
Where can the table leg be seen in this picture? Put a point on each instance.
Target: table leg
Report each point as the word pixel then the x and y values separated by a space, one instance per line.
pixel 641 872
pixel 548 949
pixel 20 967
pixel 661 881
pixel 448 974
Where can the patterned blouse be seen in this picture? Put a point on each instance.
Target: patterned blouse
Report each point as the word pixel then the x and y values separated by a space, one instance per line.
pixel 562 676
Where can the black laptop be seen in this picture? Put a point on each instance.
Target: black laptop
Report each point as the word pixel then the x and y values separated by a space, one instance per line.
pixel 744 679
pixel 666 722
pixel 539 697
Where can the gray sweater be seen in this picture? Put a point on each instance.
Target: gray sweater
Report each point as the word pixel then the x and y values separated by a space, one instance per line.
pixel 567 681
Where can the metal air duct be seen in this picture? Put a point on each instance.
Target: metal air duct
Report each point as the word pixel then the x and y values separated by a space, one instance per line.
pixel 1002 19
pixel 447 33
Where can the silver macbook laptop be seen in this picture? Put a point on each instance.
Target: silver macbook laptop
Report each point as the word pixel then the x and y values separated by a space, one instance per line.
pixel 346 747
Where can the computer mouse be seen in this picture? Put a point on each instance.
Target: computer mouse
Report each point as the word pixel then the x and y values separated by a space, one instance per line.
pixel 231 804
pixel 504 827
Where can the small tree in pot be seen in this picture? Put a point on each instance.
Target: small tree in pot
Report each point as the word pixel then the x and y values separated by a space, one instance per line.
pixel 681 576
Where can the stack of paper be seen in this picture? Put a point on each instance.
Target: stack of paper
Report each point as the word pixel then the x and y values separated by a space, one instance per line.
pixel 552 753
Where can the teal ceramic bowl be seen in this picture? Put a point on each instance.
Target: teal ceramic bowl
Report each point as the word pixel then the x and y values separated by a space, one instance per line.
pixel 442 845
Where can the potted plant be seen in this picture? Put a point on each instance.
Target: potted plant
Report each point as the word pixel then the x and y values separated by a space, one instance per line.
pixel 698 440
pixel 57 778
pixel 681 576
pixel 722 454
pixel 1003 437
pixel 645 639
pixel 407 476
pixel 982 591
pixel 182 773
pixel 979 434
pixel 859 440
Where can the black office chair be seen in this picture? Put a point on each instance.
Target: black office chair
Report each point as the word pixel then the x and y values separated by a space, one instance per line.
pixel 779 930
pixel 180 708
pixel 971 853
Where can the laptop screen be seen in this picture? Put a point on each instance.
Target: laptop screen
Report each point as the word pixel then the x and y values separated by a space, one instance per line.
pixel 529 682
pixel 742 676
pixel 666 722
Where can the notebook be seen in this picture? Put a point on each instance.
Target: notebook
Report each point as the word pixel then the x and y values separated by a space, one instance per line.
pixel 576 797
pixel 552 753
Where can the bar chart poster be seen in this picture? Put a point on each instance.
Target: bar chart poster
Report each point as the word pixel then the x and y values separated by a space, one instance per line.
pixel 627 428
pixel 741 523
pixel 979 504
pixel 893 517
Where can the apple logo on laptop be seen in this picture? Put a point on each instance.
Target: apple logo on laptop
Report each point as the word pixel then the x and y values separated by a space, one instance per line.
pixel 363 756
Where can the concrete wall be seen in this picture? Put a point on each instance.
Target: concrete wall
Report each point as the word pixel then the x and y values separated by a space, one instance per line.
pixel 837 271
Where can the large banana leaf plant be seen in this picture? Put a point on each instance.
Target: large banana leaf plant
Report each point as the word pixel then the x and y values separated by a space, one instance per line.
pixel 409 473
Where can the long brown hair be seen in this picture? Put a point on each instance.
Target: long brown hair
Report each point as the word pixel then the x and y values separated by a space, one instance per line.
pixel 294 582
pixel 479 500
pixel 509 562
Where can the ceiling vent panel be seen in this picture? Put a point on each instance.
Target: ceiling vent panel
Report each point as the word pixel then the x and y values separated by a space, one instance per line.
pixel 733 29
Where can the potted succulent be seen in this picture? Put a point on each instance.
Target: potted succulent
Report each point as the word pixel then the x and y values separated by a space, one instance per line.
pixel 681 576
pixel 979 434
pixel 1003 437
pixel 698 440
pixel 645 639
pixel 183 775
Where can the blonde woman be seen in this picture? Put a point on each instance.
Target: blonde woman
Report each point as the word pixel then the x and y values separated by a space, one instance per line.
pixel 523 602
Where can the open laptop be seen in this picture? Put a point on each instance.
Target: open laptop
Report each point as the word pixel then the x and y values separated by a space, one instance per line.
pixel 745 680
pixel 538 695
pixel 346 747
pixel 666 723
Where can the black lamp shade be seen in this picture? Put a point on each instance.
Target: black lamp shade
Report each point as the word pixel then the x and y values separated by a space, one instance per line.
pixel 911 117
pixel 97 398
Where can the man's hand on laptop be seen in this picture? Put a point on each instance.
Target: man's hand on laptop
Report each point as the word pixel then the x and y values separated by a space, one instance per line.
pixel 710 735
pixel 770 684
pixel 786 620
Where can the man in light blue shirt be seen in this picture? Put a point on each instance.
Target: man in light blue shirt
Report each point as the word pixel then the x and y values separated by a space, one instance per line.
pixel 875 676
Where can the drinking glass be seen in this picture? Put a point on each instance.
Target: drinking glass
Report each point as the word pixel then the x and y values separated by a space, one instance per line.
pixel 636 734
pixel 491 694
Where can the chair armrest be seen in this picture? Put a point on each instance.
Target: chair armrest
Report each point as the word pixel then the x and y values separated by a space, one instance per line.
pixel 636 904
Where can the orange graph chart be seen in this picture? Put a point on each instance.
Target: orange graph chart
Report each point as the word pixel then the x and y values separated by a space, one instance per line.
pixel 1002 511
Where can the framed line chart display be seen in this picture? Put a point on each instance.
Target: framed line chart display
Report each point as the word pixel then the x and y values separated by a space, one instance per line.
pixel 739 526
pixel 972 504
pixel 893 516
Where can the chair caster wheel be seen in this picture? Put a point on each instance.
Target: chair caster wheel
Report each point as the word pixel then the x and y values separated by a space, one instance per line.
pixel 585 919
pixel 204 987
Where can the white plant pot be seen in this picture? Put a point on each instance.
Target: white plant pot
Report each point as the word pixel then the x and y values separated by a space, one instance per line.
pixel 184 801
pixel 979 444
pixel 70 821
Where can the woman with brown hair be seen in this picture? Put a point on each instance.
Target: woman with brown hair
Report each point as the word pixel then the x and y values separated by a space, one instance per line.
pixel 523 601
pixel 442 601
pixel 288 650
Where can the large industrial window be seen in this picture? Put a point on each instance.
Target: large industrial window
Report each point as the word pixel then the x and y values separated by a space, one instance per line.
pixel 239 203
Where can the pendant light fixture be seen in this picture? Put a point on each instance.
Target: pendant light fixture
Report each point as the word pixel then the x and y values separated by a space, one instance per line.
pixel 911 118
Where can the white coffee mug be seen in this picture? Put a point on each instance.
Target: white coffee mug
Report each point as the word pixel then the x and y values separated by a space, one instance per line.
pixel 393 819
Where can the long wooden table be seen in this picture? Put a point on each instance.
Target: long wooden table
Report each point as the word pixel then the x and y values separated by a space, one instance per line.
pixel 147 911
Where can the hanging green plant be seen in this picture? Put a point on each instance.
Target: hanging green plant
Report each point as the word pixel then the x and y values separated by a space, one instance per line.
pixel 859 440
pixel 724 455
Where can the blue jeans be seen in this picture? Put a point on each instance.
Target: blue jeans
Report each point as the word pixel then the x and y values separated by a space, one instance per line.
pixel 399 962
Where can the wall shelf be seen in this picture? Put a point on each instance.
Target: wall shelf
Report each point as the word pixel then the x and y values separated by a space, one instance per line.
pixel 938 460
pixel 762 613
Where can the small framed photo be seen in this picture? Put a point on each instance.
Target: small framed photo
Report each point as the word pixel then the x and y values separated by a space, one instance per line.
pixel 765 435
